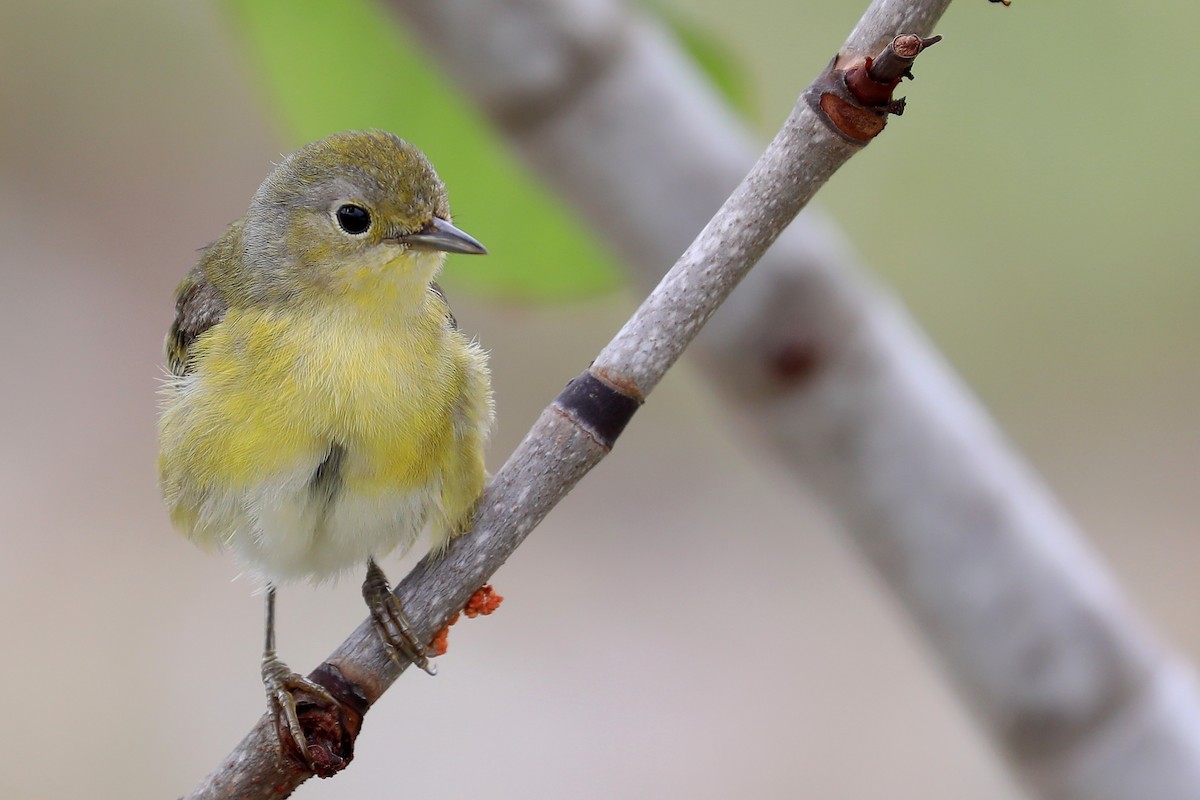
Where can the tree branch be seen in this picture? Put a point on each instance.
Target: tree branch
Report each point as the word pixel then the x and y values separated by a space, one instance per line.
pixel 577 430
pixel 1070 684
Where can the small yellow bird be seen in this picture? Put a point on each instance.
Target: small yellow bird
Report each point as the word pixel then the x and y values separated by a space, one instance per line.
pixel 323 408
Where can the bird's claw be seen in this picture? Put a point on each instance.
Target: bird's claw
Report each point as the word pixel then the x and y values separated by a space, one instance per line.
pixel 391 623
pixel 282 685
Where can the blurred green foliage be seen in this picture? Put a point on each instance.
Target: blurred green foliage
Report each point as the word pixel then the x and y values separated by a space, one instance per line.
pixel 347 65
pixel 331 67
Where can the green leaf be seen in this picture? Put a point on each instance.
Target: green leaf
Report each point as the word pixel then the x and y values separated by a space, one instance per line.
pixel 347 65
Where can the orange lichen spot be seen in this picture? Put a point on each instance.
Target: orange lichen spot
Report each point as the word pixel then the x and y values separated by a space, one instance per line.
pixel 483 602
pixel 441 642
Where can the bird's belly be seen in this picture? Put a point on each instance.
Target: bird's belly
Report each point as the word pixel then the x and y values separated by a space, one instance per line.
pixel 281 530
pixel 241 446
pixel 291 511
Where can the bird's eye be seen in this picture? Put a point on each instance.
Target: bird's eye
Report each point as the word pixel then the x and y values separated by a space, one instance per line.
pixel 353 219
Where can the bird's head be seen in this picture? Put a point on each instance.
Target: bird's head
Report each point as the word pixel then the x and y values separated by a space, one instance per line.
pixel 355 213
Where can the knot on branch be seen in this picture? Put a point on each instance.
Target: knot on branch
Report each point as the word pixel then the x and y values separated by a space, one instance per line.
pixel 600 403
pixel 330 730
pixel 856 100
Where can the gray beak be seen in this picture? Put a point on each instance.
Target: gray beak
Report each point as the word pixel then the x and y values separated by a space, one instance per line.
pixel 441 235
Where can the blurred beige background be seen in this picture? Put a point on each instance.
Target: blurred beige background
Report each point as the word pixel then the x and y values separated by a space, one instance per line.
pixel 685 624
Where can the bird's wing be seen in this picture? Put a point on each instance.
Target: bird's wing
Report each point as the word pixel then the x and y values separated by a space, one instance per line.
pixel 437 290
pixel 198 306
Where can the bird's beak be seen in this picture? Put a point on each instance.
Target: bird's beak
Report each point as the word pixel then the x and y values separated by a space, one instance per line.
pixel 441 235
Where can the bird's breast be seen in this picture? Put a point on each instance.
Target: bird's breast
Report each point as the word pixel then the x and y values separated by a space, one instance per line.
pixel 281 388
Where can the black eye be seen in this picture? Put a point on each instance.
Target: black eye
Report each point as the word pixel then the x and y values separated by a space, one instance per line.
pixel 353 219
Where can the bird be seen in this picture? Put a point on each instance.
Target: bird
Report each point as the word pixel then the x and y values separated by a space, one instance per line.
pixel 322 409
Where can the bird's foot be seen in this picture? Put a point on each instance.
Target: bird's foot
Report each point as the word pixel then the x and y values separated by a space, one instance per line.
pixel 391 623
pixel 291 696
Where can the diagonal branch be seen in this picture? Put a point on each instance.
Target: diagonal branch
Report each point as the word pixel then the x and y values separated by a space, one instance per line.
pixel 577 430
pixel 839 383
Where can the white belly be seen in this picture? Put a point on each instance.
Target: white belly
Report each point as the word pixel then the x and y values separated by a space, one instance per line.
pixel 281 531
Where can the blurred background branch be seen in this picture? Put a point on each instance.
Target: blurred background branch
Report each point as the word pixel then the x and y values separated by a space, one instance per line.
pixel 840 384
pixel 572 434
pixel 1057 274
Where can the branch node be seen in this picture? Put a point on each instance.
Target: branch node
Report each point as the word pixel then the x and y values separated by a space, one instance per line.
pixel 600 404
pixel 330 731
pixel 856 100
pixel 896 59
pixel 795 361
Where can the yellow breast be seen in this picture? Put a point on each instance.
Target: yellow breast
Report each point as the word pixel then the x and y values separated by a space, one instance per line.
pixel 273 389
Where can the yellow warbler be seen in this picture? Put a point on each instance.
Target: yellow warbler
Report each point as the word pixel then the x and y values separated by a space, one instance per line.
pixel 323 408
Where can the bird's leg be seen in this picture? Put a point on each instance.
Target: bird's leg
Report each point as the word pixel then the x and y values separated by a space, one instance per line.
pixel 280 683
pixel 392 625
